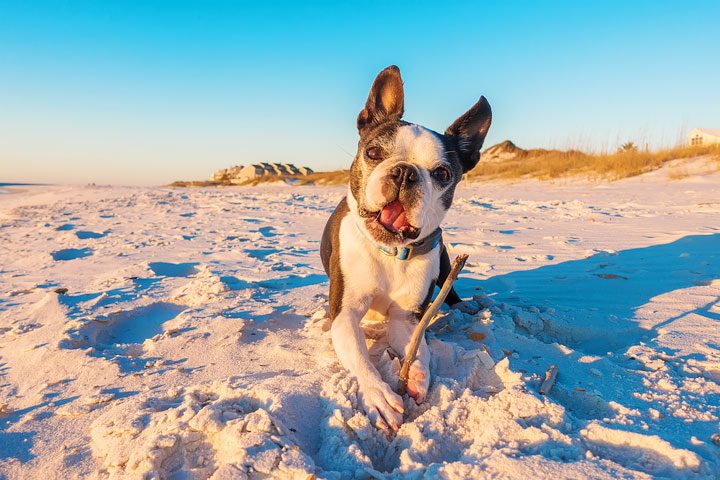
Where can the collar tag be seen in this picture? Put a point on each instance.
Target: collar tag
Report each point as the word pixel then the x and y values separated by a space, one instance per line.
pixel 403 253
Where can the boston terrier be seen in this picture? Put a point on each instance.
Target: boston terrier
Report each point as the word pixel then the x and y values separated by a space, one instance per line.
pixel 382 246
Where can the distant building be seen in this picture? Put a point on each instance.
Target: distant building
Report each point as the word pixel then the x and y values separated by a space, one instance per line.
pixel 704 136
pixel 240 174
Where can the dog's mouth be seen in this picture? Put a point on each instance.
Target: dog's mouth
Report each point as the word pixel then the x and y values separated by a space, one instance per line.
pixel 393 218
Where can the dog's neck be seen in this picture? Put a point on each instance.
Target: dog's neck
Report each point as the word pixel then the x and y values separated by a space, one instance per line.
pixel 412 250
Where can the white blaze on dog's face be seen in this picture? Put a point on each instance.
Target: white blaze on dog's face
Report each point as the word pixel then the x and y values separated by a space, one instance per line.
pixel 403 178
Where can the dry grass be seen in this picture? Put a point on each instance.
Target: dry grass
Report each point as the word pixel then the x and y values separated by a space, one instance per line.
pixel 716 159
pixel 608 166
pixel 194 183
pixel 678 173
pixel 538 163
pixel 337 177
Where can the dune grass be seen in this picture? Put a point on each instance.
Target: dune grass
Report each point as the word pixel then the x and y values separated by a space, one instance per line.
pixel 678 173
pixel 603 166
pixel 538 163
pixel 337 177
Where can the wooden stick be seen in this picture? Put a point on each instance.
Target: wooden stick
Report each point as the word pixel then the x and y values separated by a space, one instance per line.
pixel 419 332
pixel 549 381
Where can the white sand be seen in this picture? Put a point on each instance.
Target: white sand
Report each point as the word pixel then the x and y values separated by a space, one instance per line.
pixel 192 341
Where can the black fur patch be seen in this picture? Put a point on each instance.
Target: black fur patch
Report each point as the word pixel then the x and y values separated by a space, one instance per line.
pixel 453 161
pixel 424 305
pixel 452 297
pixel 383 133
pixel 330 255
pixel 470 130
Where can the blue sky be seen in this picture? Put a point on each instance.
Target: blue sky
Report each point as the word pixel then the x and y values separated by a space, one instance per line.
pixel 146 92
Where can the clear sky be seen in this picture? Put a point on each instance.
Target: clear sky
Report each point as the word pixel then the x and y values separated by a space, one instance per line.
pixel 146 92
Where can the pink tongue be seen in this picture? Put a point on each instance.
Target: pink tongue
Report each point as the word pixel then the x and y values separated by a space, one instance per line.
pixel 393 216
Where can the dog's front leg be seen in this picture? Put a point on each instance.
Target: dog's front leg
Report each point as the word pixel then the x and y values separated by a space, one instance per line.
pixel 383 406
pixel 400 329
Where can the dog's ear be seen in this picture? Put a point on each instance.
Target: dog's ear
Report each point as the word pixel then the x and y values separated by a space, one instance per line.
pixel 470 131
pixel 386 100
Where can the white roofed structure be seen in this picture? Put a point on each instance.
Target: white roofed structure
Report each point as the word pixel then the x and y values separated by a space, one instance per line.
pixel 704 136
pixel 240 174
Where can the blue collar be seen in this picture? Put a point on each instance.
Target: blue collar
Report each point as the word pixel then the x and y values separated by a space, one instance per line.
pixel 406 253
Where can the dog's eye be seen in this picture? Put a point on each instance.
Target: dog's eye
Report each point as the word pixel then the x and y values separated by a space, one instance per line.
pixel 441 174
pixel 374 153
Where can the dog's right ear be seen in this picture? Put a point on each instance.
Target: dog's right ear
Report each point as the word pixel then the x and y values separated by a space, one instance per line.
pixel 386 101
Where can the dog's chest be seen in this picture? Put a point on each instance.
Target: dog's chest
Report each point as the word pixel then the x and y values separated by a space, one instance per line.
pixel 367 271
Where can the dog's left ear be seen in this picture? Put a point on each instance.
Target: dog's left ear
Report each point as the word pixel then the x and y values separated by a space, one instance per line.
pixel 470 131
pixel 386 100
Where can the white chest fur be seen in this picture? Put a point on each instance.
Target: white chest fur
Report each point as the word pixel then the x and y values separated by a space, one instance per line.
pixel 372 277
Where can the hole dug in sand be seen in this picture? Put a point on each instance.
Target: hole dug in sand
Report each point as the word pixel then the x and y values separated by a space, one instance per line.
pixel 70 254
pixel 165 269
pixel 206 431
pixel 121 333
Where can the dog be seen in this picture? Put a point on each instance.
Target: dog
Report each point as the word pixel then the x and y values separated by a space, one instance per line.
pixel 382 246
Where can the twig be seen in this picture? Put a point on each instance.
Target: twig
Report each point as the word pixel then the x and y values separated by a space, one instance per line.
pixel 419 332
pixel 549 381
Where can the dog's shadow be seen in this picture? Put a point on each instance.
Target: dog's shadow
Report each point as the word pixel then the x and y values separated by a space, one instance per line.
pixel 598 301
pixel 613 301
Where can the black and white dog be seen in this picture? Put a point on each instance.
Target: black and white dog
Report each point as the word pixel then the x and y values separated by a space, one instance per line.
pixel 382 246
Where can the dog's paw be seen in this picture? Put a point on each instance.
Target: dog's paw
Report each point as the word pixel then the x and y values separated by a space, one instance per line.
pixel 383 407
pixel 418 381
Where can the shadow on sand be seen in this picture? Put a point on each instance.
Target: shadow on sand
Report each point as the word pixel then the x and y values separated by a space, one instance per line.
pixel 604 303
pixel 596 298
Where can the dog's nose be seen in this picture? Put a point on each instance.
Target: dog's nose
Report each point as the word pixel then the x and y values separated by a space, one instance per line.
pixel 404 174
